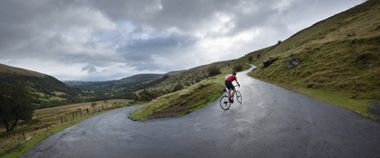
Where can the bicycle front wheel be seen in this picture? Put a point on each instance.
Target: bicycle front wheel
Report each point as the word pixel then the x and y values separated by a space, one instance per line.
pixel 225 103
pixel 239 97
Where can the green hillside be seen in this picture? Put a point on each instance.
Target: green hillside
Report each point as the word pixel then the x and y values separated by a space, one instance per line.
pixel 47 90
pixel 337 59
pixel 182 79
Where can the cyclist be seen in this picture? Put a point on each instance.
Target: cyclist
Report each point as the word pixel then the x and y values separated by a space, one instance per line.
pixel 231 88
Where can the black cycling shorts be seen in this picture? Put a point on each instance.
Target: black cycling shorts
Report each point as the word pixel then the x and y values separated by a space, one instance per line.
pixel 229 85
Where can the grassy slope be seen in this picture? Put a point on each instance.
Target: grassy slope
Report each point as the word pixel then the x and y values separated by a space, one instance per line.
pixel 46 89
pixel 20 72
pixel 340 59
pixel 183 101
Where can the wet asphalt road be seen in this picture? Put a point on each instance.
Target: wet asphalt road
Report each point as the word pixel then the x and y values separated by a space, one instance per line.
pixel 271 122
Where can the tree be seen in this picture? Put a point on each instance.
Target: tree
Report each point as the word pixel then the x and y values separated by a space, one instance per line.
pixel 15 104
pixel 250 59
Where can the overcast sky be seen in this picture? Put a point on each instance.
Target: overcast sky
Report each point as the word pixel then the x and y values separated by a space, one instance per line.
pixel 112 39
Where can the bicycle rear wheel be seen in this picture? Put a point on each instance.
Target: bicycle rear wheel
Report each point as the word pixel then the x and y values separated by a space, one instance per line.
pixel 225 103
pixel 239 97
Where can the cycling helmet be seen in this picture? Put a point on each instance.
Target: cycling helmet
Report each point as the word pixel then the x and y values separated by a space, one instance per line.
pixel 233 72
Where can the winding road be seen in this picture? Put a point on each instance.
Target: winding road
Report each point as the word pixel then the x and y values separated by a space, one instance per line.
pixel 271 122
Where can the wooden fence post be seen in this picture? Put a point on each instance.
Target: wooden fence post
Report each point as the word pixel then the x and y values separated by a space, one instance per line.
pixel 72 114
pixel 62 119
pixel 23 136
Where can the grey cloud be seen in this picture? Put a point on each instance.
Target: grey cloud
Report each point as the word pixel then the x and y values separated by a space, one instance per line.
pixel 189 15
pixel 77 32
pixel 144 49
pixel 89 69
pixel 20 20
pixel 183 14
pixel 43 30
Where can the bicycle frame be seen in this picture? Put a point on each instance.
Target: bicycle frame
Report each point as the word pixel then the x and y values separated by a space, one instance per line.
pixel 224 104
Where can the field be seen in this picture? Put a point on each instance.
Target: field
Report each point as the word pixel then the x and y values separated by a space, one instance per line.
pixel 49 121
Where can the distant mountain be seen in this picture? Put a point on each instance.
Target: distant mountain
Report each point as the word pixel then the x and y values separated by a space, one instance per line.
pixel 138 79
pixel 46 90
pixel 123 88
pixel 87 84
pixel 149 86
pixel 174 72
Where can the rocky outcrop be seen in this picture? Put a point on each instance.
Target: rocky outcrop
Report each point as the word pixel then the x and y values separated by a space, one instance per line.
pixel 269 61
pixel 293 62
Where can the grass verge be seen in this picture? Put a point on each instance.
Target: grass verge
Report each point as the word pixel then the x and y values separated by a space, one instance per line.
pixel 182 102
pixel 23 148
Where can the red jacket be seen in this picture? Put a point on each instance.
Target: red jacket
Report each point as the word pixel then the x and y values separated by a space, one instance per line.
pixel 230 78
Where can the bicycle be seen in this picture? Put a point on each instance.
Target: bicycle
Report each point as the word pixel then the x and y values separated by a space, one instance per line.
pixel 225 103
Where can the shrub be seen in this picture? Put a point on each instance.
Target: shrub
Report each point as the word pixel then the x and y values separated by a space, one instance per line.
pixel 238 68
pixel 145 95
pixel 177 87
pixel 250 59
pixel 213 71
